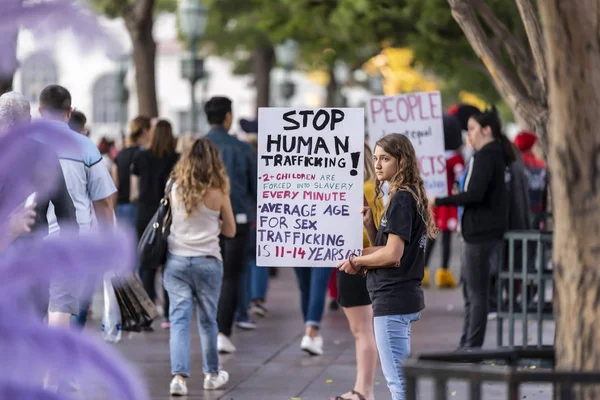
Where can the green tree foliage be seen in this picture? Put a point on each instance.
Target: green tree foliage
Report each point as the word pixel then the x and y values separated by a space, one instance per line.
pixel 348 30
pixel 234 30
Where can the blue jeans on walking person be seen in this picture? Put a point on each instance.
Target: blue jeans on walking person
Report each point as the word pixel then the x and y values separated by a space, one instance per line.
pixel 259 279
pixel 241 315
pixel 392 334
pixel 85 302
pixel 126 214
pixel 313 284
pixel 255 282
pixel 193 282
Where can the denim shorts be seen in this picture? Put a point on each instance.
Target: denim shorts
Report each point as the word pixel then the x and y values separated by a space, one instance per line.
pixel 64 296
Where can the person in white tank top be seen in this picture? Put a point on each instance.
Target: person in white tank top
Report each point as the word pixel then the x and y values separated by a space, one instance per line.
pixel 201 211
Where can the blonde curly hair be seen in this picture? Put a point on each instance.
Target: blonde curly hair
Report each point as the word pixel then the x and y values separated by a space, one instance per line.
pixel 200 169
pixel 407 177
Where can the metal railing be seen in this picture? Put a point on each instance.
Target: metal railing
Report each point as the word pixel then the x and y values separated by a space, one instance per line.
pixel 528 254
pixel 467 366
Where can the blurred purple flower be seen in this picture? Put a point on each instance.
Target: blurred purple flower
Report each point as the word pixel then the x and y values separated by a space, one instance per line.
pixel 70 251
pixel 12 391
pixel 66 353
pixel 25 168
pixel 28 349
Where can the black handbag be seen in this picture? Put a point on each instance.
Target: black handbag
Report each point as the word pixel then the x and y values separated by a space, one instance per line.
pixel 153 245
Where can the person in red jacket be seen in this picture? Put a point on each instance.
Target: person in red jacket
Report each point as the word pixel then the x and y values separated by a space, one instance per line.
pixel 446 217
pixel 537 175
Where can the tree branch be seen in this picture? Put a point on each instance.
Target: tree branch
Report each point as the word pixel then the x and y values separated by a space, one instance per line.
pixel 533 29
pixel 518 53
pixel 511 89
pixel 515 48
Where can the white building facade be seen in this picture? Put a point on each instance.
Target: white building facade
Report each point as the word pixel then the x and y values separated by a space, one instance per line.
pixel 93 80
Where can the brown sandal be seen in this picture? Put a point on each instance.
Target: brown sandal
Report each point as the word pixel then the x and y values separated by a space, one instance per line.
pixel 354 393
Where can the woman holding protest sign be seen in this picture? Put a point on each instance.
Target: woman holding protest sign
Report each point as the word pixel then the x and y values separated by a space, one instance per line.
pixel 201 211
pixel 354 298
pixel 395 266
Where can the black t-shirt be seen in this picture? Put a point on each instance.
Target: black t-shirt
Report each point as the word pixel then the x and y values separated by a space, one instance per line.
pixel 124 161
pixel 153 173
pixel 396 291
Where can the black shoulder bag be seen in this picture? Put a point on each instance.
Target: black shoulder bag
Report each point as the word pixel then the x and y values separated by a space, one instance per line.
pixel 153 245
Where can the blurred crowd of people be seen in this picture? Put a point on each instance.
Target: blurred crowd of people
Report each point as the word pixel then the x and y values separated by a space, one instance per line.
pixel 211 185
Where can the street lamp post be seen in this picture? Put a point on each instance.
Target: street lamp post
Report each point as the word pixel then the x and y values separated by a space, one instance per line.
pixel 286 55
pixel 124 63
pixel 193 16
pixel 341 72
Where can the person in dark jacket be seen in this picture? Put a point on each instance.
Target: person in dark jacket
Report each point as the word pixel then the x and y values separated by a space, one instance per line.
pixel 150 171
pixel 537 173
pixel 240 162
pixel 485 218
pixel 125 210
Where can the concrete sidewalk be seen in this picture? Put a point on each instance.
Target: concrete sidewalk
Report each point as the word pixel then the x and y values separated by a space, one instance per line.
pixel 269 363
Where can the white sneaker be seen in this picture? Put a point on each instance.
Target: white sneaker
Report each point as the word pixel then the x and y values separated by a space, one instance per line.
pixel 246 325
pixel 214 382
pixel 224 345
pixel 312 346
pixel 178 387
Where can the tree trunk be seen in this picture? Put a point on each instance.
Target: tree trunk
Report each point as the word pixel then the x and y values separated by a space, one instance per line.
pixel 144 58
pixel 262 64
pixel 332 90
pixel 573 56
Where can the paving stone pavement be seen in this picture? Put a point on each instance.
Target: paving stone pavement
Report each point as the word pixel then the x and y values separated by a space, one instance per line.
pixel 270 366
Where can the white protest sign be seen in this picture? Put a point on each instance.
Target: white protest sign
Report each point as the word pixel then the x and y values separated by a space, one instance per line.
pixel 418 116
pixel 310 186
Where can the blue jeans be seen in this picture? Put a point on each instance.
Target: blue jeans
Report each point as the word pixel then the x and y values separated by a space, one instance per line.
pixel 392 334
pixel 85 302
pixel 126 214
pixel 241 315
pixel 193 281
pixel 313 284
pixel 259 279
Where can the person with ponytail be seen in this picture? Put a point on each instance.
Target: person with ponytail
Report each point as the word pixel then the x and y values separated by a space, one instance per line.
pixel 484 220
pixel 394 267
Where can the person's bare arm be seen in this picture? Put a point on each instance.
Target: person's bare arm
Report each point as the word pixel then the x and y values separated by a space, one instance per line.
pixel 114 173
pixel 21 221
pixel 369 224
pixel 105 212
pixel 228 227
pixel 387 256
pixel 134 188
